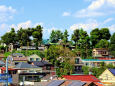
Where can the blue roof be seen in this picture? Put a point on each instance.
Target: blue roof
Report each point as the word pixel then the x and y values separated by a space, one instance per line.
pixel 77 83
pixel 56 83
pixel 96 60
pixel 112 71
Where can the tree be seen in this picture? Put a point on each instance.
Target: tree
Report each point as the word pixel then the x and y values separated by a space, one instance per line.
pixel 62 58
pixel 23 37
pixel 75 36
pixel 105 34
pixel 112 45
pixel 65 37
pixel 37 35
pixel 95 36
pixel 84 43
pixel 55 36
pixel 103 43
pixel 9 37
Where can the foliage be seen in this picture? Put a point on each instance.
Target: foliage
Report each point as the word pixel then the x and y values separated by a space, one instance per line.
pixel 9 37
pixel 105 34
pixel 55 36
pixel 103 43
pixel 95 36
pixel 75 36
pixel 62 58
pixel 30 52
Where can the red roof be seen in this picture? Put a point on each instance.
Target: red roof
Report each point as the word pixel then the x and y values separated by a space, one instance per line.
pixel 90 78
pixel 20 59
pixel 4 68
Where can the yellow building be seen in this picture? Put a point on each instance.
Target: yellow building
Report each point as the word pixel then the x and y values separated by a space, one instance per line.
pixel 108 77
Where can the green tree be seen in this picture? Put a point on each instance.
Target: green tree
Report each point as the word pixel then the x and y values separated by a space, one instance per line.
pixel 95 36
pixel 105 34
pixel 37 35
pixel 112 45
pixel 23 37
pixel 75 36
pixel 65 37
pixel 55 36
pixel 103 43
pixel 9 37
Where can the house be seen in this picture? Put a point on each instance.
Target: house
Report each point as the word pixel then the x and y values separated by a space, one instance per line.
pixel 100 53
pixel 47 68
pixel 28 72
pixel 85 78
pixel 10 70
pixel 18 57
pixel 2 56
pixel 34 57
pixel 2 63
pixel 97 62
pixel 108 77
pixel 78 65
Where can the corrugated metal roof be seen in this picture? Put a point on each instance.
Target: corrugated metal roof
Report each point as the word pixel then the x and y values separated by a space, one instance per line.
pixel 112 71
pixel 56 83
pixel 77 83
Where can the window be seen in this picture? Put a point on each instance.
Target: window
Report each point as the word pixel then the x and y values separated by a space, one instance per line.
pixel 31 59
pixel 37 59
pixel 77 61
pixel 48 68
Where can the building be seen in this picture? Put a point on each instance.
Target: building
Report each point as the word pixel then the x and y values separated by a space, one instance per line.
pixel 100 52
pixel 2 56
pixel 96 62
pixel 108 77
pixel 34 57
pixel 2 63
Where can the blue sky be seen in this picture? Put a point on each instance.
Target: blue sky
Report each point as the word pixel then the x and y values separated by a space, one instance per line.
pixel 57 14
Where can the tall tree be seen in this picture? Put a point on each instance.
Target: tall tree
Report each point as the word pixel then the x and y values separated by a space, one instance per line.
pixel 84 43
pixel 112 44
pixel 103 43
pixel 95 36
pixel 65 37
pixel 23 36
pixel 37 35
pixel 75 36
pixel 9 37
pixel 105 34
pixel 55 36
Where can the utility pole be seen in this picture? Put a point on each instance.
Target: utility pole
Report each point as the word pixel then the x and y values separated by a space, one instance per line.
pixel 6 71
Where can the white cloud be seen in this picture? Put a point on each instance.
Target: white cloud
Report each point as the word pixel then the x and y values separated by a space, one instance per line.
pixel 6 13
pixel 66 14
pixel 112 28
pixel 87 26
pixel 108 20
pixel 25 25
pixel 97 8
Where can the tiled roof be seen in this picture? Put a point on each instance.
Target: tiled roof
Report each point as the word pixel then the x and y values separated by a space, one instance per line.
pixel 41 63
pixel 2 63
pixel 90 78
pixel 24 65
pixel 20 59
pixel 112 71
pixel 17 54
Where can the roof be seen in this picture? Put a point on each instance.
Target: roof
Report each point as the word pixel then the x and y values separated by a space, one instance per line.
pixel 55 83
pixel 90 78
pixel 24 65
pixel 112 71
pixel 2 56
pixel 77 83
pixel 1 62
pixel 4 68
pixel 20 59
pixel 17 54
pixel 41 63
pixel 34 56
pixel 97 60
pixel 101 48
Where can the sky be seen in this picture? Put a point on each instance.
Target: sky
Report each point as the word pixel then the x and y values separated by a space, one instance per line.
pixel 57 15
